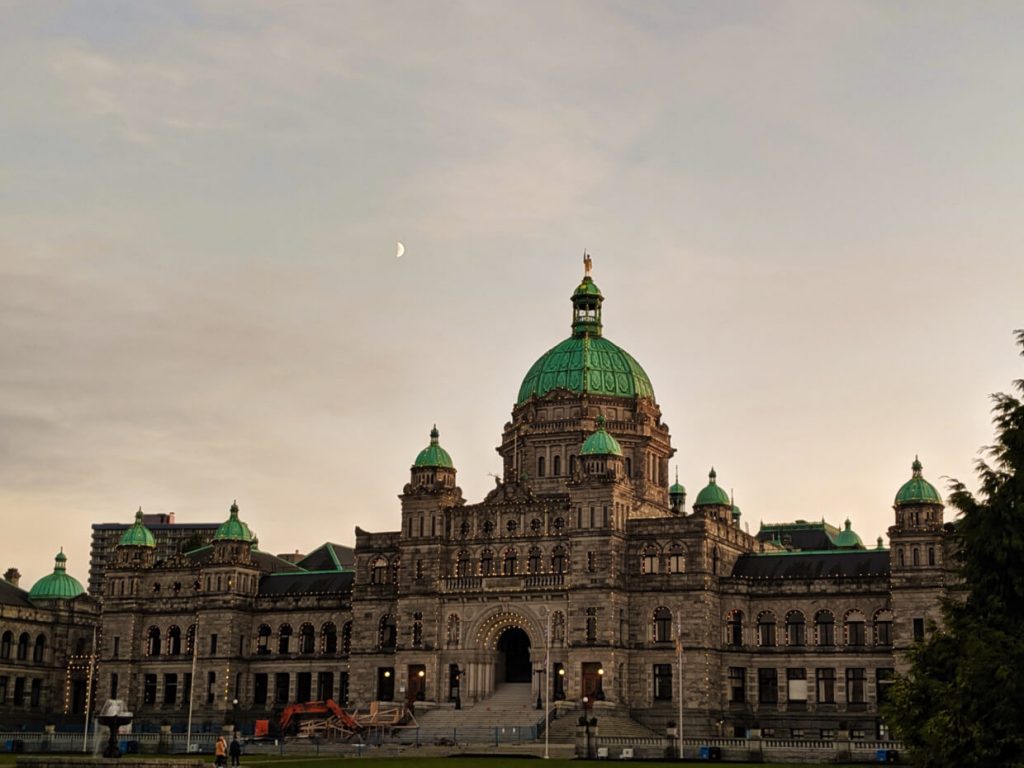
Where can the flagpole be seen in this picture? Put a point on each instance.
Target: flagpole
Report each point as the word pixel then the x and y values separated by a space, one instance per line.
pixel 679 649
pixel 547 683
pixel 192 687
pixel 88 692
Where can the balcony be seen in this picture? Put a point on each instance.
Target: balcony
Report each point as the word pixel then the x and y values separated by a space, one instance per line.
pixel 517 583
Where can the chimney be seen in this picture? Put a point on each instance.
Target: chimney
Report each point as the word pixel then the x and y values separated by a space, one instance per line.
pixel 12 576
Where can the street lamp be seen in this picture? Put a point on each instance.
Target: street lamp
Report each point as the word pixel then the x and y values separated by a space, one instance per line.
pixel 599 693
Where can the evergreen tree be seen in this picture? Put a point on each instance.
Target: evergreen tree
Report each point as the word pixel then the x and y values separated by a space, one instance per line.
pixel 962 702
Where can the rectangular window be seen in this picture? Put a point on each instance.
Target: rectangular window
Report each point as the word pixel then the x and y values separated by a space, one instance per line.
pixel 737 685
pixel 826 678
pixel 3 689
pixel 186 688
pixel 19 691
pixel 884 678
pixel 117 647
pixel 36 692
pixel 663 682
pixel 303 687
pixel 211 687
pixel 324 686
pixel 855 629
pixel 918 630
pixel 259 688
pixel 883 632
pixel 856 686
pixel 796 733
pixel 213 645
pixel 343 688
pixel 827 734
pixel 796 688
pixel 170 688
pixel 281 685
pixel 768 686
pixel 149 689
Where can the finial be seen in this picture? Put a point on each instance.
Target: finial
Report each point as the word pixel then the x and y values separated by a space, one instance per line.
pixel 677 474
pixel 880 542
pixel 600 421
pixel 434 434
pixel 234 508
pixel 916 466
pixel 587 263
pixel 847 524
pixel 712 475
pixel 138 515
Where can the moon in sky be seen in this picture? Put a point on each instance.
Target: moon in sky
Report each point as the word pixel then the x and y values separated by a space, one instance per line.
pixel 400 251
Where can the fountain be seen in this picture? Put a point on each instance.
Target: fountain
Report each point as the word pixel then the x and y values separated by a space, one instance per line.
pixel 113 716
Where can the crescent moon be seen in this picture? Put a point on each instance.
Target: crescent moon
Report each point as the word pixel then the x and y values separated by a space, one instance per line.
pixel 400 251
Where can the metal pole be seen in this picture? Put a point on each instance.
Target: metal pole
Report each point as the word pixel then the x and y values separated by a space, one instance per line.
pixel 192 687
pixel 88 692
pixel 547 684
pixel 679 648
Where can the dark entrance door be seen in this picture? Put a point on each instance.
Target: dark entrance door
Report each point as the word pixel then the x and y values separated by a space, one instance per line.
pixel 514 647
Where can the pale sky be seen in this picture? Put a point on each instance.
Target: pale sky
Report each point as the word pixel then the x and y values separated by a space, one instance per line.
pixel 805 218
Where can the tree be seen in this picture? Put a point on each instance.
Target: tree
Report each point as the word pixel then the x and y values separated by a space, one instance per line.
pixel 962 701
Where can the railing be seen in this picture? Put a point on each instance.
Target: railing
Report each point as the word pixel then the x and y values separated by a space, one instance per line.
pixel 498 583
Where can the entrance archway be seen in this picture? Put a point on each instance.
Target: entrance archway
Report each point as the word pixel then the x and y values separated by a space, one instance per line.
pixel 514 656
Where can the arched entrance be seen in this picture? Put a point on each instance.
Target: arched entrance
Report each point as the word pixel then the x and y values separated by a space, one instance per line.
pixel 514 656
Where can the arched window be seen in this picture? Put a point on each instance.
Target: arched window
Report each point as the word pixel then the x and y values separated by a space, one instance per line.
pixel 629 467
pixel 378 570
pixel 307 639
pixel 572 464
pixel 263 640
pixel 329 637
pixel 825 628
pixel 462 564
pixel 676 559
pixel 853 628
pixel 899 556
pixel 734 629
pixel 916 556
pixel 766 629
pixel 190 639
pixel 931 555
pixel 512 525
pixel 649 559
pixel 486 562
pixel 346 638
pixel 153 641
pixel 387 632
pixel 558 524
pixel 662 625
pixel 417 630
pixel 883 628
pixel 533 561
pixel 556 466
pixel 558 560
pixel 284 638
pixel 5 645
pixel 558 628
pixel 796 626
pixel 39 649
pixel 174 641
pixel 454 631
pixel 508 562
pixel 540 466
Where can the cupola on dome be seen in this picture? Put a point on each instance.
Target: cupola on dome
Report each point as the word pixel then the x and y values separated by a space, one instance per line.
pixel 712 493
pixel 57 585
pixel 434 455
pixel 586 361
pixel 917 490
pixel 138 535
pixel 847 538
pixel 601 442
pixel 233 529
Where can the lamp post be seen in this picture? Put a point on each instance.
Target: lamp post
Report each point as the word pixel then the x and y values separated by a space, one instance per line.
pixel 547 681
pixel 679 651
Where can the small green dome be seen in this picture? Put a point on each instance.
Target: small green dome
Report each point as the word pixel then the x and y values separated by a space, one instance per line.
pixel 847 538
pixel 434 455
pixel 917 490
pixel 138 535
pixel 587 288
pixel 601 443
pixel 736 513
pixel 676 489
pixel 57 585
pixel 712 493
pixel 233 529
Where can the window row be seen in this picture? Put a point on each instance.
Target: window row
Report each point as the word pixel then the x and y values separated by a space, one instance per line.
pixel 671 559
pixel 915 556
pixel 823 632
pixel 14 695
pixel 173 689
pixel 24 645
pixel 511 526
pixel 508 562
pixel 796 688
pixel 307 640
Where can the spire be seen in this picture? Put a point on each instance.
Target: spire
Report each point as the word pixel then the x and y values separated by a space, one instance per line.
pixel 586 304
pixel 434 435
pixel 60 561
pixel 712 476
pixel 916 467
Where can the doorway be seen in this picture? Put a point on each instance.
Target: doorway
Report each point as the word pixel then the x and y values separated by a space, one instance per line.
pixel 514 656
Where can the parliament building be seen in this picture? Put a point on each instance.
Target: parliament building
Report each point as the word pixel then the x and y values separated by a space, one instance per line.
pixel 587 572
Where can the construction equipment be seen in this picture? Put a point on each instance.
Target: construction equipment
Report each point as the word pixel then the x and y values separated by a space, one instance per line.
pixel 322 719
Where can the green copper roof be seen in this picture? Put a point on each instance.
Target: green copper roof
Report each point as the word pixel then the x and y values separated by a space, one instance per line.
pixel 847 539
pixel 601 443
pixel 917 490
pixel 586 361
pixel 676 489
pixel 233 529
pixel 434 455
pixel 138 535
pixel 712 493
pixel 57 585
pixel 736 512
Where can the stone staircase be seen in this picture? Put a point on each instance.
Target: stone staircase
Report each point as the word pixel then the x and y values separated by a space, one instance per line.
pixel 510 706
pixel 611 723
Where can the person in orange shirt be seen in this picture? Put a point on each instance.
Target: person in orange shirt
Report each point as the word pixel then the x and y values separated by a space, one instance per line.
pixel 220 752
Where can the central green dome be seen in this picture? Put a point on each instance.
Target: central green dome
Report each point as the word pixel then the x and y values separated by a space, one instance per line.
pixel 712 493
pixel 434 455
pixel 586 361
pixel 233 529
pixel 138 535
pixel 917 490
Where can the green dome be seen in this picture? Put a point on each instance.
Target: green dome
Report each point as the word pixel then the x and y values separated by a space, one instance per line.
pixel 847 539
pixel 917 490
pixel 736 512
pixel 434 455
pixel 590 364
pixel 138 535
pixel 712 493
pixel 586 361
pixel 676 489
pixel 57 585
pixel 233 529
pixel 601 443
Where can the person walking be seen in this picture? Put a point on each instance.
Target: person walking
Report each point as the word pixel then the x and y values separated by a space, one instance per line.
pixel 235 750
pixel 220 752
